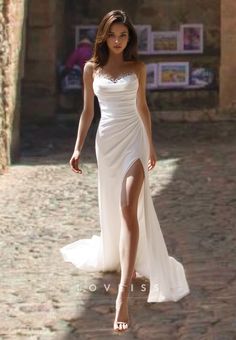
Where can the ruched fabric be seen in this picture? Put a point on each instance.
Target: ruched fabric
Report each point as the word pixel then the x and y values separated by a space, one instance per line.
pixel 121 139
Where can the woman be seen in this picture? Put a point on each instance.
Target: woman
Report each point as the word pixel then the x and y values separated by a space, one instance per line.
pixel 131 239
pixel 80 55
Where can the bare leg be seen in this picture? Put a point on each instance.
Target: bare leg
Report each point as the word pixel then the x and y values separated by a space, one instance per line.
pixel 129 236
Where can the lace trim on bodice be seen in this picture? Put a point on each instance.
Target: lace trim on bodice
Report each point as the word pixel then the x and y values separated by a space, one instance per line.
pixel 114 79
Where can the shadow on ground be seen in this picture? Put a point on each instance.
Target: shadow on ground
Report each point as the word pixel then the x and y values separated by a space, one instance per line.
pixel 193 190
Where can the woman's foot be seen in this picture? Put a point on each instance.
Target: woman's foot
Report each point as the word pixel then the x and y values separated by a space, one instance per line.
pixel 121 322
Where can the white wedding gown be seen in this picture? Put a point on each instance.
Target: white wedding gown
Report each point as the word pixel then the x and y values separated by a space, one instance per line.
pixel 120 140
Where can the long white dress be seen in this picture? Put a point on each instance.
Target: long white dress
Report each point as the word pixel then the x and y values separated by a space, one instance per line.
pixel 120 140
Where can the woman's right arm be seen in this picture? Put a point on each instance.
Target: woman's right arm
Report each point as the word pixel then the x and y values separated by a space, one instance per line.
pixel 86 116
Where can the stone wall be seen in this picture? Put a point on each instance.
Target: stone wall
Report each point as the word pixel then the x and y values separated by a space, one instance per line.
pixel 50 38
pixel 44 39
pixel 163 15
pixel 228 55
pixel 12 14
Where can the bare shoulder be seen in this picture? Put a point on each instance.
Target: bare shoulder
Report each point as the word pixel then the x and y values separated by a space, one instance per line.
pixel 89 68
pixel 140 67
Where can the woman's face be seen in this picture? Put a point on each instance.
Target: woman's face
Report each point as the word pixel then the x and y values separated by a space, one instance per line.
pixel 118 37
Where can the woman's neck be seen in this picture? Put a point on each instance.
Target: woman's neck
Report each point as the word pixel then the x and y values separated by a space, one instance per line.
pixel 115 59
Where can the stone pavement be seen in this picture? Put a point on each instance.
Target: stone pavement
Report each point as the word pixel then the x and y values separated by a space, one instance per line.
pixel 44 205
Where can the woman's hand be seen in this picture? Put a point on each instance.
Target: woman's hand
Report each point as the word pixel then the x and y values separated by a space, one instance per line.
pixel 74 162
pixel 152 158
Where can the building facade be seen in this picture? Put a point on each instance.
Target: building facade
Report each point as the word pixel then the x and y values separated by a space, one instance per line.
pixel 36 35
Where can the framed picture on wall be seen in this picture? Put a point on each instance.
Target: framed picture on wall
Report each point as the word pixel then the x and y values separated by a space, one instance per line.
pixel 191 38
pixel 173 74
pixel 144 38
pixel 85 32
pixel 167 42
pixel 201 77
pixel 151 76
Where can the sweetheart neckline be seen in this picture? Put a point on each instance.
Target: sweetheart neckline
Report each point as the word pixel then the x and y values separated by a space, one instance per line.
pixel 116 79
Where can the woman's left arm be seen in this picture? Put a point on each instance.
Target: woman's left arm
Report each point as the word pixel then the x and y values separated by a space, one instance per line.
pixel 145 113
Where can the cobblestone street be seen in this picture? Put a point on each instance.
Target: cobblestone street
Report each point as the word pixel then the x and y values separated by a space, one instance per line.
pixel 44 205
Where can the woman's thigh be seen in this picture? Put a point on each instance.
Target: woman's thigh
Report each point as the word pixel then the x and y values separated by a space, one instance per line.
pixel 131 188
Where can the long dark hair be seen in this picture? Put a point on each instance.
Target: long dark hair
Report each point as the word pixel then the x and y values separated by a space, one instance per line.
pixel 100 52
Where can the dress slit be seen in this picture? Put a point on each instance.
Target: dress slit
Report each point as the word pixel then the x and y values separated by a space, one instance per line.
pixel 124 173
pixel 121 140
